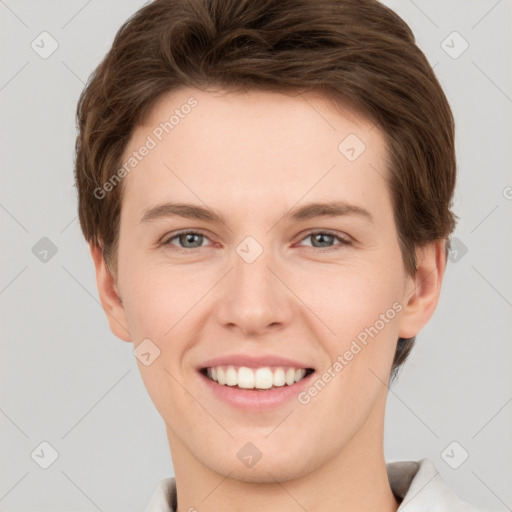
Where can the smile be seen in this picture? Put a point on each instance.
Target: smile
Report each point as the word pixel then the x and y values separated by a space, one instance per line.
pixel 264 378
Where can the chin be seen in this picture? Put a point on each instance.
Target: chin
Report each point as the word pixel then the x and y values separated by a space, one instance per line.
pixel 272 467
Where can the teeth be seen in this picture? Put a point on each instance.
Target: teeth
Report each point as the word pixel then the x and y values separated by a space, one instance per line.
pixel 263 378
pixel 260 378
pixel 279 379
pixel 245 378
pixel 299 374
pixel 231 376
pixel 290 376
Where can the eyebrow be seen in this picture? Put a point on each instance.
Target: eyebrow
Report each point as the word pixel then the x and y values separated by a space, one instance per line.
pixel 306 212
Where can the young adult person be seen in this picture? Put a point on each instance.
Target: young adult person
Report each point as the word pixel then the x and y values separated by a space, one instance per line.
pixel 266 186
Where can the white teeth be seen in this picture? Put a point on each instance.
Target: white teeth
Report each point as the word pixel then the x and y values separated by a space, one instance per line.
pixel 260 378
pixel 263 378
pixel 278 378
pixel 245 378
pixel 231 377
pixel 299 374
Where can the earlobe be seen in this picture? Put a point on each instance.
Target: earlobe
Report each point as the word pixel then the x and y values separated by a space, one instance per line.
pixel 109 296
pixel 422 296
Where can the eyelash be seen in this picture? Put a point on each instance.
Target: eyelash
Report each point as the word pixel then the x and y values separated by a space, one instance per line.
pixel 344 241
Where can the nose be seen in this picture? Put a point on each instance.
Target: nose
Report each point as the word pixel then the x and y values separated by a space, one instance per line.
pixel 255 299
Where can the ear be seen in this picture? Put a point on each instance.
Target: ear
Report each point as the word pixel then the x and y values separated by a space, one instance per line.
pixel 109 295
pixel 424 289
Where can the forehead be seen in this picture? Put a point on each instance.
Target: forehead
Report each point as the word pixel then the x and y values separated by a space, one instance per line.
pixel 238 150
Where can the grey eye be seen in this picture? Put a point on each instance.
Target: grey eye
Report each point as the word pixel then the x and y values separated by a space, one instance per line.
pixel 187 240
pixel 323 239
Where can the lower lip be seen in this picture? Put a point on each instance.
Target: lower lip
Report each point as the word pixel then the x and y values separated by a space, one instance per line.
pixel 253 399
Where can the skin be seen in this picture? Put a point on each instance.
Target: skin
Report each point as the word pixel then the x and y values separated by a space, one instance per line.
pixel 253 156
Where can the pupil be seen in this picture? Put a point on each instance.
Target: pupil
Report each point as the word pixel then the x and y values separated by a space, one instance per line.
pixel 189 237
pixel 323 235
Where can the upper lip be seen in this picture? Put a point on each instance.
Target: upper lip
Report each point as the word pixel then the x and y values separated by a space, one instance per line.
pixel 252 361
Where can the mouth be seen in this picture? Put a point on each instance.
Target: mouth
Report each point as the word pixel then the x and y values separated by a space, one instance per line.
pixel 264 378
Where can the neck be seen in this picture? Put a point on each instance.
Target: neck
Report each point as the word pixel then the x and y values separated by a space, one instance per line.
pixel 355 479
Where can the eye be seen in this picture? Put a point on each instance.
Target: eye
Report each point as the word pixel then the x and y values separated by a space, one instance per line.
pixel 324 239
pixel 188 239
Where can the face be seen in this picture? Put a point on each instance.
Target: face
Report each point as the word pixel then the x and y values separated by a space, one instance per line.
pixel 255 283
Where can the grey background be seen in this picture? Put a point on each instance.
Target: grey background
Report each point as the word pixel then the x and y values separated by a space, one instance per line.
pixel 67 380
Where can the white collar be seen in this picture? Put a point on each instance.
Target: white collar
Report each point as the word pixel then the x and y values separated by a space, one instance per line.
pixel 417 484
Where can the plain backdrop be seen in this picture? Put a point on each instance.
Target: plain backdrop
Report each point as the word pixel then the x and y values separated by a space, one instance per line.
pixel 67 381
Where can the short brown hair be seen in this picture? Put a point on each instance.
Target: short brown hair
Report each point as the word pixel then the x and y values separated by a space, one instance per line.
pixel 355 52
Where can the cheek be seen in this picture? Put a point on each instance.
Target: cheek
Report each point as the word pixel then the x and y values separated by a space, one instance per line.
pixel 160 308
pixel 146 309
pixel 363 310
pixel 346 300
pixel 166 304
pixel 359 307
